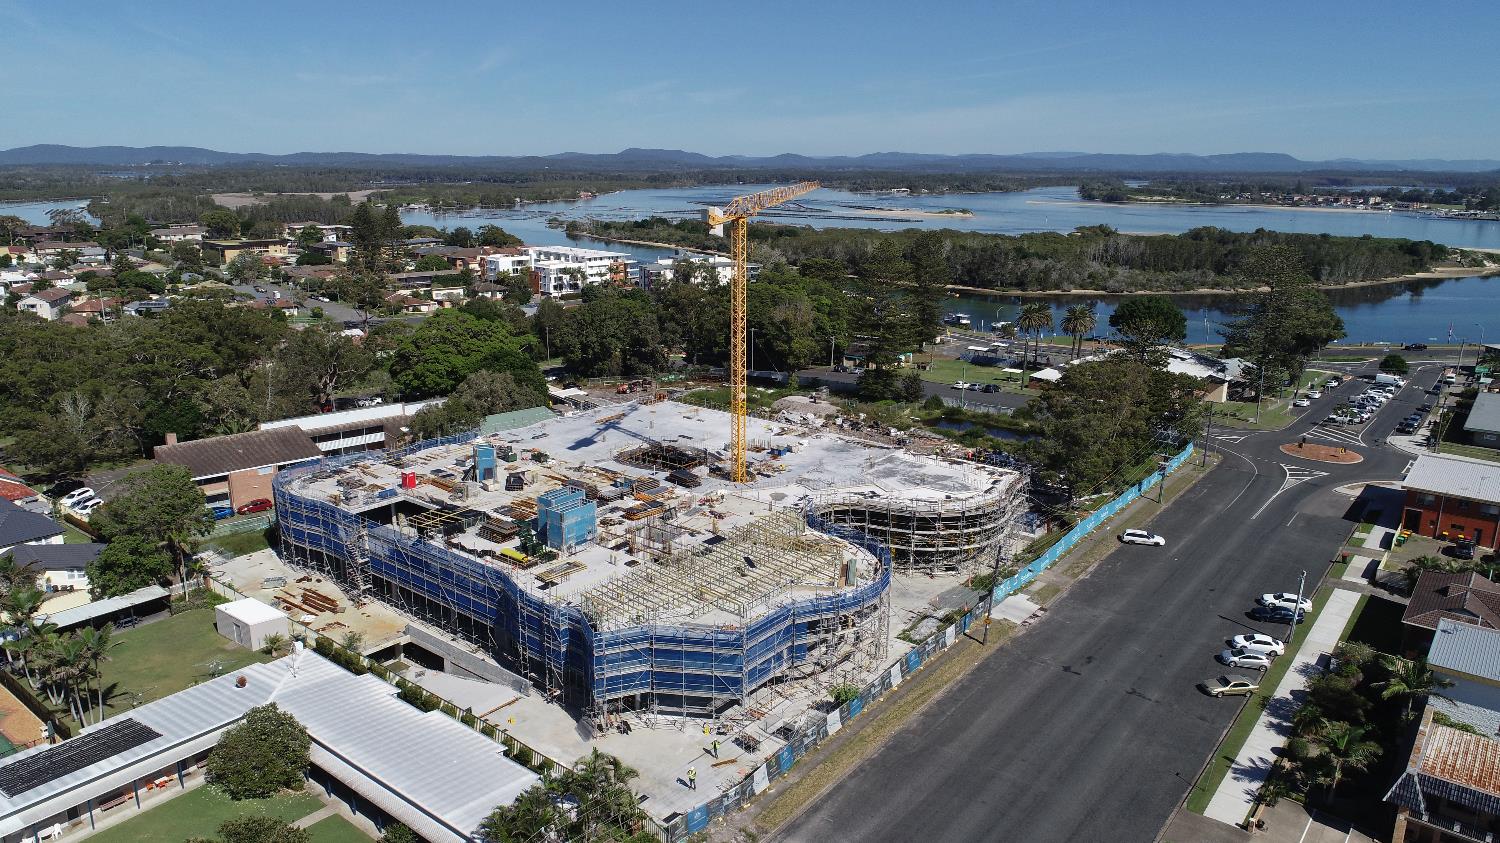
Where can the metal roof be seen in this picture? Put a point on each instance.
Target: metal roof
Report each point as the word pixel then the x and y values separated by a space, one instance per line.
pixel 1466 648
pixel 67 618
pixel 1484 416
pixel 1459 477
pixel 250 610
pixel 240 451
pixel 514 419
pixel 437 775
pixel 1462 758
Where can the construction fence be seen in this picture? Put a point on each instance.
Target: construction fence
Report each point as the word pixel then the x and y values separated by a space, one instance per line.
pixel 802 741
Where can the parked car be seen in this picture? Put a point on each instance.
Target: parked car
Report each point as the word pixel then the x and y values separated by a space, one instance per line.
pixel 960 384
pixel 1314 394
pixel 1142 537
pixel 1462 550
pixel 1256 642
pixel 1228 685
pixel 221 511
pixel 1333 383
pixel 1302 402
pixel 975 387
pixel 87 508
pixel 1426 408
pixel 1276 614
pixel 257 505
pixel 1415 346
pixel 990 387
pixel 1406 429
pixel 1245 658
pixel 1284 599
pixel 76 496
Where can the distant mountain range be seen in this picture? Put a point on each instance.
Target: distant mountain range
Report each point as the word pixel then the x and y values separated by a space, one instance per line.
pixel 676 159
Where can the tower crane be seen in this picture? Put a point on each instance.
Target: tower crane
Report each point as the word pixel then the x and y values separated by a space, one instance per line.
pixel 738 213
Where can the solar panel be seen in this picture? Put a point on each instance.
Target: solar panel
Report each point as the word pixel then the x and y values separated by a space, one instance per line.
pixel 73 755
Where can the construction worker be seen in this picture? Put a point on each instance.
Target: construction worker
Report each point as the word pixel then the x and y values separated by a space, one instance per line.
pixel 714 748
pixel 692 778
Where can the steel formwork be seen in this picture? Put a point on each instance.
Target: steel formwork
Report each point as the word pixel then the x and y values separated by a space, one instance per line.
pixel 682 668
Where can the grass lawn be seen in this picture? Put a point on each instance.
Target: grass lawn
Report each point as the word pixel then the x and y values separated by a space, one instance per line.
pixel 73 535
pixel 167 656
pixel 1469 451
pixel 198 813
pixel 239 544
pixel 945 370
pixel 1240 730
pixel 336 829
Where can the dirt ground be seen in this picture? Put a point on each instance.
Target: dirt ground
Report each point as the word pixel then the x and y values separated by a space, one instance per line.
pixel 1321 453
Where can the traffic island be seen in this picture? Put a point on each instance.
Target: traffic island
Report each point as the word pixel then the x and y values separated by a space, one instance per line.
pixel 1321 453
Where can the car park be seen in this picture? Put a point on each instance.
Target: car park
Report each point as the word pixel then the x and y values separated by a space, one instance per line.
pixel 1284 599
pixel 76 496
pixel 257 505
pixel 1276 614
pixel 1245 658
pixel 1228 685
pixel 1142 537
pixel 1256 642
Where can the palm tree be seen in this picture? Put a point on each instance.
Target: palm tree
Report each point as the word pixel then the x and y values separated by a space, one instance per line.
pixel 1410 679
pixel 1079 320
pixel 96 646
pixel 1035 318
pixel 1309 721
pixel 274 643
pixel 22 605
pixel 1346 749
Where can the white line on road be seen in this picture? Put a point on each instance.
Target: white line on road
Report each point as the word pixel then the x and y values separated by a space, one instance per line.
pixel 1295 474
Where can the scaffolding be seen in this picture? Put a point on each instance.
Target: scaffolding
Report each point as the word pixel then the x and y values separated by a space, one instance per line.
pixel 695 631
pixel 928 535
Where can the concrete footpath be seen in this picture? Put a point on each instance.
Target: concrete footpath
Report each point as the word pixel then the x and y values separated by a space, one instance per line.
pixel 1231 803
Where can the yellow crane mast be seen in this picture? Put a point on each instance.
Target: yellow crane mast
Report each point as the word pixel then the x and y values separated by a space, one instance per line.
pixel 738 213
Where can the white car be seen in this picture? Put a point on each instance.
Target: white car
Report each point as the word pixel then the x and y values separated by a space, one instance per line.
pixel 960 384
pixel 1333 383
pixel 1245 658
pixel 1314 394
pixel 1284 600
pixel 76 496
pixel 1258 643
pixel 1142 537
pixel 87 508
pixel 1302 402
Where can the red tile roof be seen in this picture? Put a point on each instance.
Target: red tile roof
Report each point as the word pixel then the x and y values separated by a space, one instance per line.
pixel 14 488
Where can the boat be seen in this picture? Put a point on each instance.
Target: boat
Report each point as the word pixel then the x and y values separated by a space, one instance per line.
pixel 958 320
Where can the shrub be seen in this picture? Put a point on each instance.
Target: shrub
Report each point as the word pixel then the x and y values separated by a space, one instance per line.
pixel 398 833
pixel 259 829
pixel 844 692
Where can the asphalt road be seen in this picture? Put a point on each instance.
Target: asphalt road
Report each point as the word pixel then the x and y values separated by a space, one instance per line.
pixel 1089 725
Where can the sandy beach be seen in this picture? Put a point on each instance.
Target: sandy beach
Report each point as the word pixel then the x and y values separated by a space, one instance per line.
pixel 910 212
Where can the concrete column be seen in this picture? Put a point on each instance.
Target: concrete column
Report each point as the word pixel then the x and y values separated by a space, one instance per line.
pixel 135 787
pixel 91 813
pixel 181 779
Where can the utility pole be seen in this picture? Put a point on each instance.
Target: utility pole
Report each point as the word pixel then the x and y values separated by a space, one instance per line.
pixel 989 602
pixel 1207 431
pixel 1296 611
pixel 830 354
pixel 1260 390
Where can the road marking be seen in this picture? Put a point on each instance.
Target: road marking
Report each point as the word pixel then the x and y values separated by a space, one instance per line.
pixel 1233 438
pixel 1254 470
pixel 1293 518
pixel 1295 474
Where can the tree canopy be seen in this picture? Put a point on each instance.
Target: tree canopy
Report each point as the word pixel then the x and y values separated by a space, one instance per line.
pixel 261 756
pixel 126 564
pixel 450 346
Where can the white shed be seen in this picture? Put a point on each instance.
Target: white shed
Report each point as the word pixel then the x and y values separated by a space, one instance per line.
pixel 249 622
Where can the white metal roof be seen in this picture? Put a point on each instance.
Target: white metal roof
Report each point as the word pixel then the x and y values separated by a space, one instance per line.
pixel 435 774
pixel 250 611
pixel 1459 477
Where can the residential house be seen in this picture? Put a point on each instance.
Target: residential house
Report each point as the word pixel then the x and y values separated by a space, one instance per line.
pixel 1467 657
pixel 20 526
pixel 1483 424
pixel 88 252
pixel 1450 789
pixel 179 233
pixel 487 290
pixel 102 309
pixel 309 274
pixel 277 303
pixel 74 320
pixel 337 251
pixel 49 304
pixel 1438 595
pixel 238 468
pixel 328 232
pixel 458 257
pixel 410 304
pixel 1453 498
pixel 228 250
pixel 61 571
pixel 15 490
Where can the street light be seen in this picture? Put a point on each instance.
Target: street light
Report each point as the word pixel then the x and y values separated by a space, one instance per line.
pixel 1297 613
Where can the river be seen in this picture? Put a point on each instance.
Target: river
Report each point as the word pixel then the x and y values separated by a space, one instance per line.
pixel 1417 311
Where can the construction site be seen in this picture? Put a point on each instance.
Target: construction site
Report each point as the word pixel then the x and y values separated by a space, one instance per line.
pixel 599 556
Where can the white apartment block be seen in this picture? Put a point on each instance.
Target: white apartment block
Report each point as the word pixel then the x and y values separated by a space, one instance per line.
pixel 508 262
pixel 568 269
pixel 720 267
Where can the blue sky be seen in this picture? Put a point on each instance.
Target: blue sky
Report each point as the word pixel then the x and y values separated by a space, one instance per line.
pixel 1316 78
